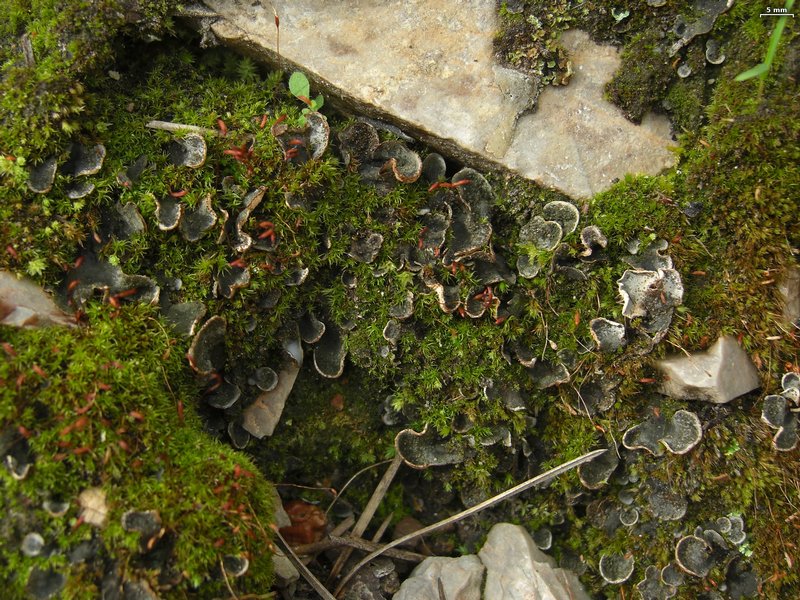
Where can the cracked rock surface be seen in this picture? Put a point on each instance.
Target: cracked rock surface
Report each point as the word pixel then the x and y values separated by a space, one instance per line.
pixel 428 67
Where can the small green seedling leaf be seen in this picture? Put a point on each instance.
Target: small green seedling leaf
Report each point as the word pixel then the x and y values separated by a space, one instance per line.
pixel 762 69
pixel 318 102
pixel 299 86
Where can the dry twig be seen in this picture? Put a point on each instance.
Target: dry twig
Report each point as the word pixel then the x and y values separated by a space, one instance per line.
pixel 335 541
pixel 168 126
pixel 366 516
pixel 307 575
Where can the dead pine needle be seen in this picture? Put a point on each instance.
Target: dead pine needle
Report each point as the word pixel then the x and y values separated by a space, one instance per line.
pixel 351 480
pixel 298 564
pixel 366 516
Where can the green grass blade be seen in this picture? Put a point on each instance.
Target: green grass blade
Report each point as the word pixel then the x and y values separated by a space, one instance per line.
pixel 759 69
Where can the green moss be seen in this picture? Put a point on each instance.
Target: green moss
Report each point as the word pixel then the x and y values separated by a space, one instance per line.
pixel 41 102
pixel 738 161
pixel 111 406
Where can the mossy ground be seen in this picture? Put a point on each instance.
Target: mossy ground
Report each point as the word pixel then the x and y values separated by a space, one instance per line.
pixel 102 407
pixel 738 157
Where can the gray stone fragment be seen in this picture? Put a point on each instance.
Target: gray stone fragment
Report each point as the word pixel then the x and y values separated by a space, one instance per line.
pixel 461 579
pixel 262 416
pixel 517 570
pixel 25 304
pixel 718 375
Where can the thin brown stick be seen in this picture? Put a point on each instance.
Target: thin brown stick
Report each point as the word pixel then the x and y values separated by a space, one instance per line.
pixel 169 126
pixel 336 541
pixel 342 527
pixel 352 479
pixel 227 582
pixel 366 516
pixel 526 485
pixel 383 527
pixel 307 575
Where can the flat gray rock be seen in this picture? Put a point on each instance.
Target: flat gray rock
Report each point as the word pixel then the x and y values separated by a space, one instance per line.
pixel 718 375
pixel 263 415
pixel 461 579
pixel 429 68
pixel 25 304
pixel 517 570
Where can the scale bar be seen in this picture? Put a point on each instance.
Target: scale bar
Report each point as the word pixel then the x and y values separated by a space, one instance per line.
pixel 776 15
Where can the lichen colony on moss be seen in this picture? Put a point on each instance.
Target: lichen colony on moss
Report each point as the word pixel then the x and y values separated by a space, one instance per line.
pixel 383 268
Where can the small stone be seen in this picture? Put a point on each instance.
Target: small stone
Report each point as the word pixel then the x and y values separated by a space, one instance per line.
pixel 25 304
pixel 517 570
pixel 460 577
pixel 720 374
pixel 94 509
pixel 262 416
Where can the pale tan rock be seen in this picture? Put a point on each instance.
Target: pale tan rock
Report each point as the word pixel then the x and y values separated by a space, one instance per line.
pixel 94 509
pixel 461 579
pixel 517 570
pixel 262 416
pixel 25 304
pixel 428 66
pixel 720 374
